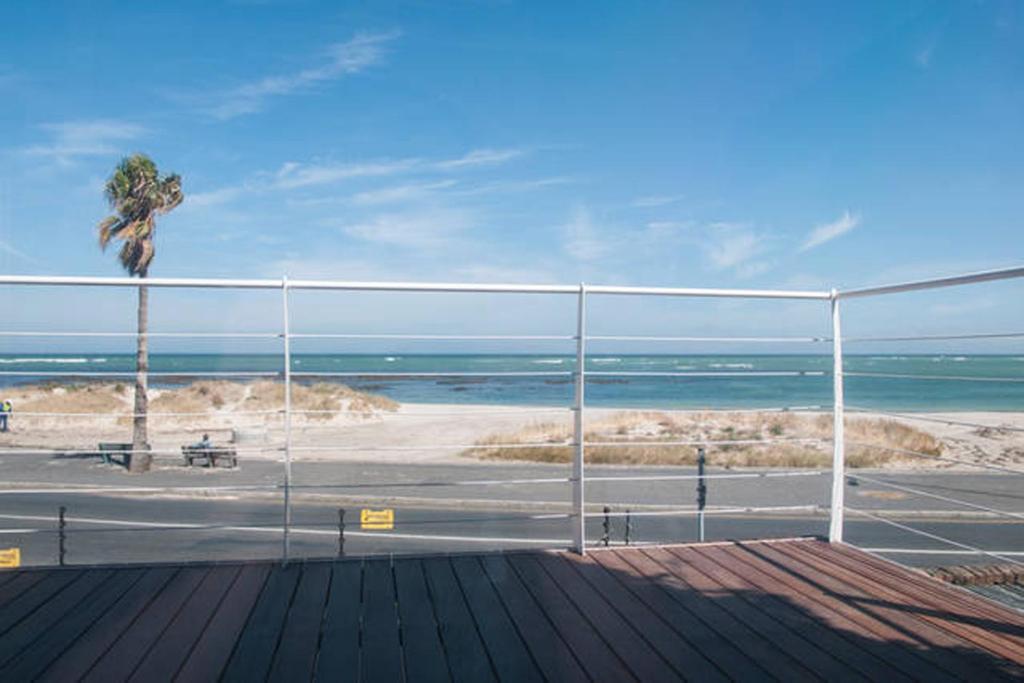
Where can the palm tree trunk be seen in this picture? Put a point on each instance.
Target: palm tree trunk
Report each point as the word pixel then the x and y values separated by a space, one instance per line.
pixel 141 459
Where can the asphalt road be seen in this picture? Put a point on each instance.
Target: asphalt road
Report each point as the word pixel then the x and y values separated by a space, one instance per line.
pixel 104 529
pixel 178 514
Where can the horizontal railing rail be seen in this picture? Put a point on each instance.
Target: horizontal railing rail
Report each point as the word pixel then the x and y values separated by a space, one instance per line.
pixel 578 371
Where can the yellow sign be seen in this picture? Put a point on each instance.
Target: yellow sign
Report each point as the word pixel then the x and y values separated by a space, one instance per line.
pixel 10 557
pixel 377 519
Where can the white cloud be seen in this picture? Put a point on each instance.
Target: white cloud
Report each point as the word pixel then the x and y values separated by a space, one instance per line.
pixel 8 249
pixel 479 157
pixel 829 231
pixel 399 193
pixel 656 200
pixel 509 186
pixel 342 59
pixel 419 229
pixel 666 230
pixel 292 175
pixel 730 245
pixel 580 240
pixel 213 197
pixel 73 139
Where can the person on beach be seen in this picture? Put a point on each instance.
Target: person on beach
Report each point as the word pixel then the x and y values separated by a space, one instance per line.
pixel 5 410
pixel 205 442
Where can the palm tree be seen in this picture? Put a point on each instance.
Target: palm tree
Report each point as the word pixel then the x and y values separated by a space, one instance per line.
pixel 137 193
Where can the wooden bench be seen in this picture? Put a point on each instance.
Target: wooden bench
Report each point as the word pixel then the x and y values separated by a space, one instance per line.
pixel 108 451
pixel 211 455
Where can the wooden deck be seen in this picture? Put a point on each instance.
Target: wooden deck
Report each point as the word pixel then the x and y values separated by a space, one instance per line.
pixel 788 610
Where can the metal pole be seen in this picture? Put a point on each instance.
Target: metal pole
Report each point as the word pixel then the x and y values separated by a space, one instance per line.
pixel 702 493
pixel 606 538
pixel 62 523
pixel 341 532
pixel 835 528
pixel 287 421
pixel 579 539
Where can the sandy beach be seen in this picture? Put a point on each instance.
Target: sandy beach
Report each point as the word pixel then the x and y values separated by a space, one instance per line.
pixel 332 422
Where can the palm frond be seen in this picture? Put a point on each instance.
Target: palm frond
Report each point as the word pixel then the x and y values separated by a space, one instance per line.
pixel 137 194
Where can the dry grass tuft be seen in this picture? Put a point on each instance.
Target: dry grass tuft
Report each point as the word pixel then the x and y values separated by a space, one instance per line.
pixel 648 431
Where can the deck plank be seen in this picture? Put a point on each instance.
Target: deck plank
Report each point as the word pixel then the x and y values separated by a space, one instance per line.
pixel 18 584
pixel 838 627
pixel 186 629
pixel 210 654
pixel 512 658
pixel 752 608
pixel 121 658
pixel 599 660
pixel 425 659
pixel 35 595
pixel 56 635
pixel 712 654
pixel 950 593
pixel 296 655
pixel 974 616
pixel 339 646
pixel 746 610
pixel 554 658
pixel 255 649
pixel 54 618
pixel 87 648
pixel 986 634
pixel 467 656
pixel 381 641
pixel 948 652
pixel 721 607
pixel 643 660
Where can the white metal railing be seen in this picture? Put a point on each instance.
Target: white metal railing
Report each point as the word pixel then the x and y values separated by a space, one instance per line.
pixel 579 374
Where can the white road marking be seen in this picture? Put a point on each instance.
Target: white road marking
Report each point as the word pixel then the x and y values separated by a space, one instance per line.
pixel 184 526
pixel 938 551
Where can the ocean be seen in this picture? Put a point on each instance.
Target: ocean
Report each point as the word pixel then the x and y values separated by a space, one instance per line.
pixel 926 382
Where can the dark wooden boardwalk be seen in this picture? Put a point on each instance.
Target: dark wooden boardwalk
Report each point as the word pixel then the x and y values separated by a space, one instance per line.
pixel 787 610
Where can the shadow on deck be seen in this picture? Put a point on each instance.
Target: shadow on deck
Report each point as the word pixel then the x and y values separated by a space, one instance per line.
pixel 790 610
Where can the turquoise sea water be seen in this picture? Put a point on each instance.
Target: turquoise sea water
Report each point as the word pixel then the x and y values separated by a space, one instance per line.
pixel 732 381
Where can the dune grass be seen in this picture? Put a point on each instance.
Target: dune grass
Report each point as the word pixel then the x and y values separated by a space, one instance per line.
pixel 648 431
pixel 321 402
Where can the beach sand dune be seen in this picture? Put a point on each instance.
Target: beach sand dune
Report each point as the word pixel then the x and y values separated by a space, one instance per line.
pixel 334 422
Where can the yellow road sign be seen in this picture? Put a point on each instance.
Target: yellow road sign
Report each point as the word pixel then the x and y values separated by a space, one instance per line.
pixel 377 519
pixel 10 557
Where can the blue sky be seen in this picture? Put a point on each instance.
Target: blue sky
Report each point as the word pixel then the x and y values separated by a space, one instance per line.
pixel 797 144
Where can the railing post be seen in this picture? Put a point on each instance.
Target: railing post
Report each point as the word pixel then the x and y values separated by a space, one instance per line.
pixel 61 536
pixel 578 516
pixel 835 528
pixel 702 492
pixel 287 421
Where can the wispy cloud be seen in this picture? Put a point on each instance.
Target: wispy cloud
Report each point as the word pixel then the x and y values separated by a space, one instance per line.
pixel 923 55
pixel 295 175
pixel 342 59
pixel 480 157
pixel 734 246
pixel 829 231
pixel 581 241
pixel 399 193
pixel 427 228
pixel 73 139
pixel 8 249
pixel 656 200
pixel 666 230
